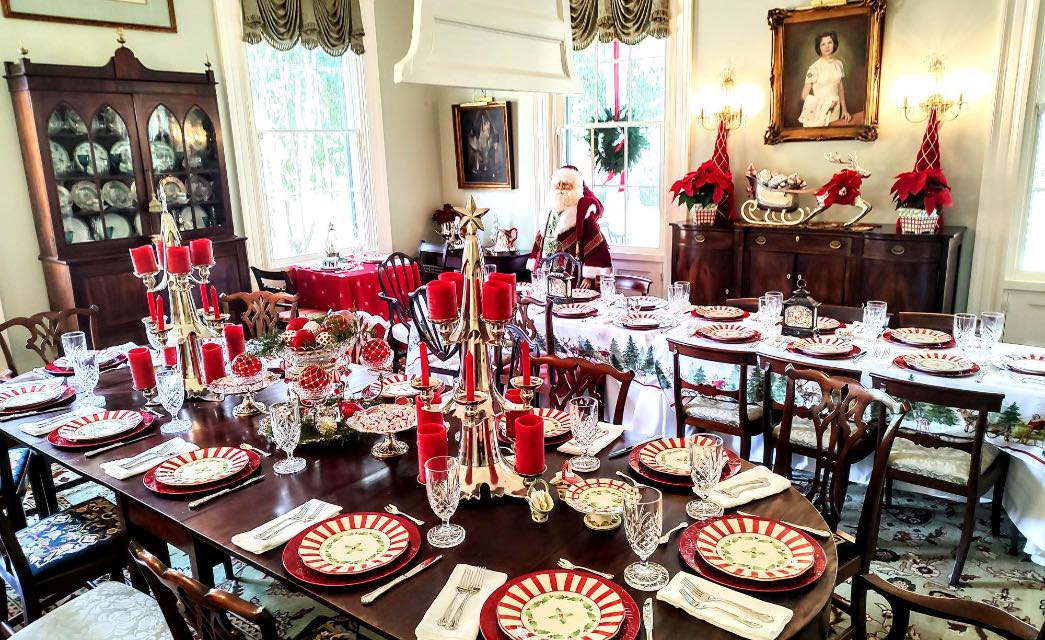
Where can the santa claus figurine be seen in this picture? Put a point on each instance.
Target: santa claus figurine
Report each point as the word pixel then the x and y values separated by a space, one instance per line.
pixel 572 226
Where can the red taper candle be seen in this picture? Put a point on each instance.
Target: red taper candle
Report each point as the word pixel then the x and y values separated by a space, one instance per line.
pixel 203 298
pixel 424 363
pixel 144 259
pixel 431 443
pixel 529 445
pixel 235 344
pixel 201 250
pixel 497 301
pixel 524 346
pixel 213 362
pixel 143 375
pixel 457 278
pixel 150 298
pixel 442 300
pixel 161 252
pixel 161 320
pixel 178 260
pixel 469 377
pixel 214 302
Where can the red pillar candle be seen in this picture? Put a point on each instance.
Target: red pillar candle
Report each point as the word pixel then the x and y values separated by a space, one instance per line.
pixel 497 301
pixel 213 362
pixel 178 260
pixel 142 373
pixel 161 320
pixel 524 346
pixel 203 298
pixel 529 445
pixel 425 416
pixel 457 278
pixel 469 377
pixel 424 363
pixel 170 356
pixel 214 302
pixel 507 278
pixel 201 251
pixel 513 396
pixel 442 300
pixel 143 259
pixel 235 344
pixel 431 443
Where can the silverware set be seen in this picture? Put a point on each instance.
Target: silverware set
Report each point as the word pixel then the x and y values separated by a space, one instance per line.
pixel 702 600
pixel 467 586
pixel 735 491
pixel 394 510
pixel 26 414
pixel 563 563
pixel 304 514
pixel 369 597
pixel 164 450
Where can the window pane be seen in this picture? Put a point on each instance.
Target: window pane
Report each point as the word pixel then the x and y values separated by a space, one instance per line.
pixel 577 151
pixel 646 88
pixel 643 223
pixel 579 108
pixel 613 88
pixel 644 150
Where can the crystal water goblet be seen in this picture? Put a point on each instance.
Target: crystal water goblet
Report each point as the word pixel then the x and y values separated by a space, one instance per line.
pixel 683 292
pixel 487 270
pixel 776 305
pixel 171 388
pixel 707 458
pixel 874 319
pixel 992 326
pixel 965 331
pixel 643 522
pixel 286 431
pixel 584 416
pixel 443 485
pixel 86 362
pixel 73 343
pixel 608 288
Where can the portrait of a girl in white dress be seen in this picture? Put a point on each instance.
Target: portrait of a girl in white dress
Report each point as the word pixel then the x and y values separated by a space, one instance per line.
pixel 823 93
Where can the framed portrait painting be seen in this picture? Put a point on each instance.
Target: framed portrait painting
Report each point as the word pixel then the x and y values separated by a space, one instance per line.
pixel 148 15
pixel 483 145
pixel 827 67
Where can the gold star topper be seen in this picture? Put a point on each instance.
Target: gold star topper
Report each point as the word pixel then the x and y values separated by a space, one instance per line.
pixel 121 36
pixel 471 215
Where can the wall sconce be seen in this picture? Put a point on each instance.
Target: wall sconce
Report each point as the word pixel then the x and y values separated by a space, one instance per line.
pixel 937 98
pixel 730 113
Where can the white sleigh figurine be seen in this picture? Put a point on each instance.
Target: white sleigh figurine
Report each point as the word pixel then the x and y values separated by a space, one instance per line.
pixel 774 197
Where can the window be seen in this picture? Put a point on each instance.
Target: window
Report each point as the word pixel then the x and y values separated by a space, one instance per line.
pixel 310 118
pixel 1031 257
pixel 620 158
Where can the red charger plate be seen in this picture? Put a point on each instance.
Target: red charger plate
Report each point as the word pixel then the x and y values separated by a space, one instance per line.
pixel 900 362
pixel 59 441
pixel 688 551
pixel 155 485
pixel 681 483
pixel 744 314
pixel 888 335
pixel 67 371
pixel 66 398
pixel 855 351
pixel 629 629
pixel 754 338
pixel 295 567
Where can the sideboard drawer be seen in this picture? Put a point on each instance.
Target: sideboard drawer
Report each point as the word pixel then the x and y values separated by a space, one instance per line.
pixel 706 238
pixel 797 242
pixel 901 250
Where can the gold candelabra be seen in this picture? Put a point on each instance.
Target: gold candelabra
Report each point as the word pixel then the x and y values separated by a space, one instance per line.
pixel 186 323
pixel 728 114
pixel 946 108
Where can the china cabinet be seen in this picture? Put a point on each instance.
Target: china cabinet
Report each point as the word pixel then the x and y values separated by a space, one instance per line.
pixel 95 142
pixel 909 272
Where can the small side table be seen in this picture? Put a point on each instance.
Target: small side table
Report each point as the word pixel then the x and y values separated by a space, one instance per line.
pixel 434 258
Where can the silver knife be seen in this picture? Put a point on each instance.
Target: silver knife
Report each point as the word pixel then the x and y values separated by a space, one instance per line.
pixel 647 617
pixel 626 450
pixel 373 595
pixel 820 533
pixel 26 414
pixel 94 452
pixel 205 499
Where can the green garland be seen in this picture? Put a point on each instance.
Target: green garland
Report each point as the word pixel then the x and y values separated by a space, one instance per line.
pixel 608 158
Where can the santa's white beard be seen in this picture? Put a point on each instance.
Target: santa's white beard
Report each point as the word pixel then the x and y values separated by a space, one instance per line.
pixel 561 200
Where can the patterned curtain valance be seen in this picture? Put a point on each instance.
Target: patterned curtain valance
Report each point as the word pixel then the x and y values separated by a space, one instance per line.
pixel 626 20
pixel 335 25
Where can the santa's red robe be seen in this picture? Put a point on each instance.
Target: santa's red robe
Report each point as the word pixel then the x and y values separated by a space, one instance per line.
pixel 584 242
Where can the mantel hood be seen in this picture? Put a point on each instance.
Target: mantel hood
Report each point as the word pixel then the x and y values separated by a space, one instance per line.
pixel 507 45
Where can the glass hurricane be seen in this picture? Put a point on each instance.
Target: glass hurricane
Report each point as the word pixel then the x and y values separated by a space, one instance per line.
pixel 643 522
pixel 707 458
pixel 443 485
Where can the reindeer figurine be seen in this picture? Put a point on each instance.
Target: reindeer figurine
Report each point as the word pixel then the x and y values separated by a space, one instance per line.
pixel 777 205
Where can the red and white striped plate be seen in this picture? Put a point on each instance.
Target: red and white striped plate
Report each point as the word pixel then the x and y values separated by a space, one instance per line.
pixel 598 496
pixel 920 337
pixel 1029 363
pixel 727 332
pixel 29 395
pixel 574 310
pixel 353 543
pixel 720 312
pixel 97 426
pixel 584 294
pixel 825 324
pixel 202 466
pixel 106 357
pixel 821 346
pixel 647 303
pixel 945 364
pixel 556 423
pixel 397 386
pixel 667 455
pixel 560 604
pixel 640 320
pixel 755 548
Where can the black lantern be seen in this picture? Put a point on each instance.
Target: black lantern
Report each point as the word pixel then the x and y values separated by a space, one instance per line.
pixel 560 287
pixel 800 312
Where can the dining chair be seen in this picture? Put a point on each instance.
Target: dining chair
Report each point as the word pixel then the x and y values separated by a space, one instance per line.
pixel 398 275
pixel 45 331
pixel 192 610
pixel 570 378
pixel 431 258
pixel 842 313
pixel 967 467
pixel 565 263
pixel 505 370
pixel 747 304
pixel 937 321
pixel 273 281
pixel 57 555
pixel 710 407
pixel 261 310
pixel 628 285
pixel 443 353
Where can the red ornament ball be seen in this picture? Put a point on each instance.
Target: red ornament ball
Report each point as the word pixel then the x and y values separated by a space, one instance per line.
pixel 246 365
pixel 348 408
pixel 375 353
pixel 313 378
pixel 296 323
pixel 303 339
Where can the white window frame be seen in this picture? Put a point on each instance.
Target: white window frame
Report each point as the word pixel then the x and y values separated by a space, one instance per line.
pixel 248 169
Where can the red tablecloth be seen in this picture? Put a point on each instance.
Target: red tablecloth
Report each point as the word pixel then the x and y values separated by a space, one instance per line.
pixel 357 289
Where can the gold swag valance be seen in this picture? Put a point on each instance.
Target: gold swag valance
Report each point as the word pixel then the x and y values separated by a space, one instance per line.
pixel 626 20
pixel 334 25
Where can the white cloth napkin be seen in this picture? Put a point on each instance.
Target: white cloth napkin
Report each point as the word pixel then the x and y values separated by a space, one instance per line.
pixel 50 423
pixel 468 625
pixel 610 433
pixel 776 485
pixel 713 611
pixel 249 541
pixel 113 468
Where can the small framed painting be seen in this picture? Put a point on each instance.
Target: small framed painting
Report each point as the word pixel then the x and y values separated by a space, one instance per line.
pixel 147 15
pixel 827 65
pixel 483 145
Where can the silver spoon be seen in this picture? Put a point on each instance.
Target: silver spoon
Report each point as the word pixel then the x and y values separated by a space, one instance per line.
pixel 394 510
pixel 247 447
pixel 667 535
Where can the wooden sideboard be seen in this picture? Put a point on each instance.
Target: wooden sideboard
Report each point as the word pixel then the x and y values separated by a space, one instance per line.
pixel 909 272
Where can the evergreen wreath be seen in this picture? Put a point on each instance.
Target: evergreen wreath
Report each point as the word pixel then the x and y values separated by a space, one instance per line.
pixel 609 143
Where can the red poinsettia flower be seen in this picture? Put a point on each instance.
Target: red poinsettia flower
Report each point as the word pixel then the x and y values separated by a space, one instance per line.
pixel 842 188
pixel 708 185
pixel 926 189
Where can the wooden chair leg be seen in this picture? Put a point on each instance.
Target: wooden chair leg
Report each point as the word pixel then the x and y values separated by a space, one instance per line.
pixel 996 506
pixel 962 552
pixel 226 564
pixel 858 609
pixel 889 493
pixel 745 446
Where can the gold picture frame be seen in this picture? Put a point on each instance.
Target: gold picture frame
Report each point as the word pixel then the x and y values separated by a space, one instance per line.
pixel 143 15
pixel 806 104
pixel 483 145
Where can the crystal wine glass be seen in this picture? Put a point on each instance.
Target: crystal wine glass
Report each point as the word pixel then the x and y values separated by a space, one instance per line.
pixel 874 319
pixel 443 484
pixel 992 325
pixel 707 458
pixel 683 294
pixel 965 331
pixel 86 362
pixel 286 431
pixel 776 304
pixel 171 389
pixel 608 288
pixel 584 416
pixel 73 343
pixel 643 521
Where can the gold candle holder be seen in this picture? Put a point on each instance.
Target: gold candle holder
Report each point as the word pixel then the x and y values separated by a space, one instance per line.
pixel 150 396
pixel 157 337
pixel 426 391
pixel 527 386
pixel 217 325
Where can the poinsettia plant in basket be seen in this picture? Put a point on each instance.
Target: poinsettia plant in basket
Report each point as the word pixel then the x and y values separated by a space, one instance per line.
pixel 703 190
pixel 920 197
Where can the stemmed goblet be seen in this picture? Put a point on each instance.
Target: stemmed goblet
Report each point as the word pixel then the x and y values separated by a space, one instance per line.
pixel 992 325
pixel 286 431
pixel 73 344
pixel 584 416
pixel 86 362
pixel 965 331
pixel 707 458
pixel 643 521
pixel 171 388
pixel 875 319
pixel 443 485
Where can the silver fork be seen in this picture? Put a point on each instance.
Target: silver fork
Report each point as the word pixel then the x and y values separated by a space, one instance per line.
pixel 473 588
pixel 707 597
pixel 743 487
pixel 166 449
pixel 462 589
pixel 305 513
pixel 697 604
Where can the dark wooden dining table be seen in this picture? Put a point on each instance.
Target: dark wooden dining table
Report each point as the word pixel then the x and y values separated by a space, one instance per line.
pixel 500 533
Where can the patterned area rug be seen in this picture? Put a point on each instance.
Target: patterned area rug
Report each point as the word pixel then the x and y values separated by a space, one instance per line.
pixel 915 551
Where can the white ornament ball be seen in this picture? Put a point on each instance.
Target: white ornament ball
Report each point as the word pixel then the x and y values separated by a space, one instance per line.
pixel 325 339
pixel 312 326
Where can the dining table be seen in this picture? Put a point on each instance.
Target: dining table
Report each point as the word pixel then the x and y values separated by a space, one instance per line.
pixel 500 532
pixel 353 286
